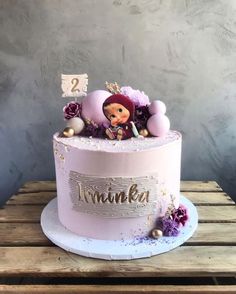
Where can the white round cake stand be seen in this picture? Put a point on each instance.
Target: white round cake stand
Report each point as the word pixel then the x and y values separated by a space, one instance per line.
pixel 114 250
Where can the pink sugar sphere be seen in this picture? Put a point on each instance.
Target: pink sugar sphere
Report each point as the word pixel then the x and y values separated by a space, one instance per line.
pixel 157 106
pixel 92 106
pixel 158 125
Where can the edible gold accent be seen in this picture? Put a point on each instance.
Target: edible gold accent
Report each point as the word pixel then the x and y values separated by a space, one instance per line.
pixel 164 193
pixel 93 196
pixel 68 132
pixel 144 132
pixel 113 197
pixel 156 233
pixel 61 157
pixel 114 88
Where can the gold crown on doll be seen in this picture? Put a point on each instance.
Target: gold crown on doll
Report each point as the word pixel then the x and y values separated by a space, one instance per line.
pixel 113 88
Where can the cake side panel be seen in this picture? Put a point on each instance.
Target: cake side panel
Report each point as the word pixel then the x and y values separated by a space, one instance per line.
pixel 159 167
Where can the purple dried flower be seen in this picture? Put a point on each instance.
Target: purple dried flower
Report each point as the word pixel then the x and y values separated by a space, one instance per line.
pixel 72 109
pixel 93 130
pixel 142 115
pixel 170 223
pixel 169 227
pixel 180 215
pixel 139 98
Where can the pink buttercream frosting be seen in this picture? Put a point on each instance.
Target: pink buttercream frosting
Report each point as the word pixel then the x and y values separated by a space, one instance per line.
pixel 149 167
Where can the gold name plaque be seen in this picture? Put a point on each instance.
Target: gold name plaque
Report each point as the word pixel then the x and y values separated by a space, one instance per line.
pixel 113 197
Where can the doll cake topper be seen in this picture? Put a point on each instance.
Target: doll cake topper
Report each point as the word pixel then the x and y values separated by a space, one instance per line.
pixel 119 110
pixel 117 114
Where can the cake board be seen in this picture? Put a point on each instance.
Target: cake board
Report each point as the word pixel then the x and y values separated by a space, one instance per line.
pixel 114 249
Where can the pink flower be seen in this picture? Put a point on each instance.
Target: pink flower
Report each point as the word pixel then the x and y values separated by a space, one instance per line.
pixel 180 215
pixel 72 109
pixel 139 98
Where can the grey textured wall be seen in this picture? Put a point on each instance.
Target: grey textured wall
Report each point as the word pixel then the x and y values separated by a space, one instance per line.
pixel 183 52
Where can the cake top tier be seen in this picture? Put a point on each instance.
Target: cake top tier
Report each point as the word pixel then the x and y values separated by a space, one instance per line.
pixel 133 144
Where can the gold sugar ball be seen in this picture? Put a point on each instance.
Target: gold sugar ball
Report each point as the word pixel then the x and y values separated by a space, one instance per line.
pixel 144 132
pixel 156 233
pixel 68 132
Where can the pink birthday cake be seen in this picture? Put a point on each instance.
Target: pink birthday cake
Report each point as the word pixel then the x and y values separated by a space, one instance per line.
pixel 118 167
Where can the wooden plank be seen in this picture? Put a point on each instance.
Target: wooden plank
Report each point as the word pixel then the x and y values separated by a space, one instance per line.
pixel 21 213
pixel 194 186
pixel 189 261
pixel 22 234
pixel 36 198
pixel 200 186
pixel 117 289
pixel 30 234
pixel 37 186
pixel 198 198
pixel 217 214
pixel 209 198
pixel 214 234
pixel 31 213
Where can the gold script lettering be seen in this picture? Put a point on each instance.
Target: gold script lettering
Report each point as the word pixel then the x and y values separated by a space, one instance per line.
pixel 88 195
pixel 144 197
pixel 120 197
pixel 132 193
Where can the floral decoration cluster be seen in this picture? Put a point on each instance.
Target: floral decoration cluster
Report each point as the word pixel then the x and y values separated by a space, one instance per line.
pixel 74 109
pixel 142 114
pixel 138 97
pixel 170 224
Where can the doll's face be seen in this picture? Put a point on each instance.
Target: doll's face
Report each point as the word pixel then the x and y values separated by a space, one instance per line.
pixel 116 113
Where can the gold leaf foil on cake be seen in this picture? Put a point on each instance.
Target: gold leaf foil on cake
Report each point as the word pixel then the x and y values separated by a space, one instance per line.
pixel 164 193
pixel 61 157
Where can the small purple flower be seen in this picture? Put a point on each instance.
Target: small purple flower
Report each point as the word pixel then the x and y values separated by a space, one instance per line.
pixel 139 98
pixel 72 109
pixel 169 227
pixel 141 117
pixel 142 113
pixel 180 215
pixel 93 130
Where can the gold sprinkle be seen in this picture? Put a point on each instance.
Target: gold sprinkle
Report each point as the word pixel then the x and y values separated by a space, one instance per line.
pixel 164 193
pixel 144 132
pixel 61 157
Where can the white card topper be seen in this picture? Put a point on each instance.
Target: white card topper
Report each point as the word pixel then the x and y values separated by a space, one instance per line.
pixel 74 85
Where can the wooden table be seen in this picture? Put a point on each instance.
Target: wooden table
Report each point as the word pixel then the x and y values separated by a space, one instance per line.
pixel 29 263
